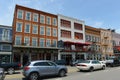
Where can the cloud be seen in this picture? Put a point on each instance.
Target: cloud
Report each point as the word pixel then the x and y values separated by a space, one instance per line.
pixel 98 24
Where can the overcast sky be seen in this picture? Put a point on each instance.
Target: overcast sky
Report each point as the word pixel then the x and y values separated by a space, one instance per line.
pixel 96 13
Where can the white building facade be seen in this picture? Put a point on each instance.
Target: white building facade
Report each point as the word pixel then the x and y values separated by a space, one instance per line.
pixel 72 32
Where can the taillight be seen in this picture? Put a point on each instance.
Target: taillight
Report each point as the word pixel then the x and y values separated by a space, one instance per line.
pixel 26 68
pixel 19 65
pixel 81 65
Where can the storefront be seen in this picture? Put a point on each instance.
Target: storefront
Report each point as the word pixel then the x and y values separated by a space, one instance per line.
pixel 24 55
pixel 5 57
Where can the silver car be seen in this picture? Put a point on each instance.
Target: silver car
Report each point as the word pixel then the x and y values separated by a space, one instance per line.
pixel 35 69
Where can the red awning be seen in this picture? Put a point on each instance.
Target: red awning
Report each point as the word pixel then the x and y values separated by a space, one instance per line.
pixel 117 47
pixel 68 42
pixel 83 44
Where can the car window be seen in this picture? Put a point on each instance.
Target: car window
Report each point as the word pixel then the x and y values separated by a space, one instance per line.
pixel 95 62
pixel 41 64
pixel 51 64
pixel 85 61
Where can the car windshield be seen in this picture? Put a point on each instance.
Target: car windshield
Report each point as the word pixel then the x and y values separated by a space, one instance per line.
pixel 85 61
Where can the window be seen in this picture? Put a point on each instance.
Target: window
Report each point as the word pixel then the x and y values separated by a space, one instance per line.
pixel 42 42
pixel 6 47
pixel 35 17
pixel 28 16
pixel 27 28
pixel 35 29
pixel 42 19
pixel 48 43
pixel 48 20
pixel 34 41
pixel 48 31
pixel 18 27
pixel 54 32
pixel 42 30
pixel 5 35
pixel 20 14
pixel 54 43
pixel 27 41
pixel 18 40
pixel 41 64
pixel 54 21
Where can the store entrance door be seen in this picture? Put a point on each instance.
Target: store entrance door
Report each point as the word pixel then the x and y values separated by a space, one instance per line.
pixel 67 58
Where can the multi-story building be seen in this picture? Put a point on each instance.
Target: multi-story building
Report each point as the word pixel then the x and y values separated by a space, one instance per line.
pixel 106 43
pixel 93 37
pixel 5 43
pixel 35 35
pixel 116 43
pixel 72 33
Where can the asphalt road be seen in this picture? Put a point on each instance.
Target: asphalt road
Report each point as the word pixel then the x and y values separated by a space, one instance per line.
pixel 108 74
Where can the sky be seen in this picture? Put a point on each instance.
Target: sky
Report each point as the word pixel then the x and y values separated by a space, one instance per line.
pixel 96 13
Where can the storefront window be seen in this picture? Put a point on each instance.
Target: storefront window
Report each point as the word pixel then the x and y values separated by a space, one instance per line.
pixel 5 58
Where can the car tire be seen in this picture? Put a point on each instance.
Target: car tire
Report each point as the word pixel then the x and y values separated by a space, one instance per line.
pixel 91 69
pixel 10 70
pixel 103 68
pixel 34 76
pixel 62 73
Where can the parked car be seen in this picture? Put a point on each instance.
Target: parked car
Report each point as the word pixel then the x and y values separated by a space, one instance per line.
pixel 2 74
pixel 90 65
pixel 10 67
pixel 73 63
pixel 61 62
pixel 35 69
pixel 113 62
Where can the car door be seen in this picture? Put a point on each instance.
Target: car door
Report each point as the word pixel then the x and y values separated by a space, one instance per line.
pixel 98 64
pixel 94 64
pixel 52 68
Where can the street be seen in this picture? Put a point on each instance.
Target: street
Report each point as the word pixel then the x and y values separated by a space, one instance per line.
pixel 108 74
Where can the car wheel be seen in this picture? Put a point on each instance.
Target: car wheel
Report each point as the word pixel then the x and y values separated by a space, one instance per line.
pixel 62 73
pixel 11 70
pixel 103 67
pixel 91 69
pixel 34 76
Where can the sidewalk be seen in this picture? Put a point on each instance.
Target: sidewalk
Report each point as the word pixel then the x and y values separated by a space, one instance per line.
pixel 18 74
pixel 72 69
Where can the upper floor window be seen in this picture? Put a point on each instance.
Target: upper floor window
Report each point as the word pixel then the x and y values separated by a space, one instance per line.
pixel 18 40
pixel 5 35
pixel 34 41
pixel 28 16
pixel 27 41
pixel 48 20
pixel 42 19
pixel 54 43
pixel 65 23
pixel 54 32
pixel 18 27
pixel 20 14
pixel 35 29
pixel 42 42
pixel 48 43
pixel 35 17
pixel 65 34
pixel 27 28
pixel 6 47
pixel 42 30
pixel 54 21
pixel 78 35
pixel 77 26
pixel 48 31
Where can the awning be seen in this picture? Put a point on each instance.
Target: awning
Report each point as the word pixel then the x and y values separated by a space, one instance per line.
pixel 117 47
pixel 77 43
pixel 83 44
pixel 68 42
